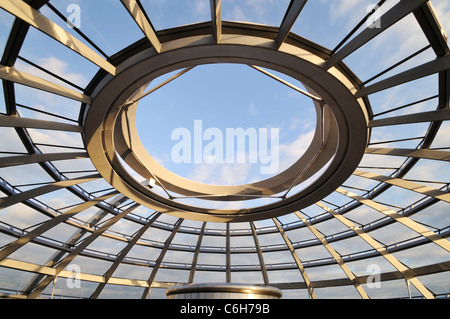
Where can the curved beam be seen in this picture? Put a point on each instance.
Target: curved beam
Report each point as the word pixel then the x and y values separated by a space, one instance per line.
pixel 418 228
pixel 408 152
pixel 216 18
pixel 12 247
pixel 438 115
pixel 38 158
pixel 23 196
pixel 122 255
pixel 34 18
pixel 351 276
pixel 16 121
pixel 300 266
pixel 405 271
pixel 16 76
pixel 160 258
pixel 395 14
pixel 412 186
pixel 140 18
pixel 293 11
pixel 429 68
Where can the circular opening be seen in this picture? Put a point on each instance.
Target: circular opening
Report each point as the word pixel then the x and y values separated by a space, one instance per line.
pixel 225 124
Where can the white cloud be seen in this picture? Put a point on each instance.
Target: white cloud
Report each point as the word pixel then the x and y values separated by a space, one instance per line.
pixel 56 66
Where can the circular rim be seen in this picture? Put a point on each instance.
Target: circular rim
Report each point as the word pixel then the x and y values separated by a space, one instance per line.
pixel 348 113
pixel 225 288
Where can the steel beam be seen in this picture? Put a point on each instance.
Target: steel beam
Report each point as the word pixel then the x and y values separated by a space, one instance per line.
pixel 38 158
pixel 292 13
pixel 405 271
pixel 16 76
pixel 311 292
pixel 12 247
pixel 411 224
pixel 197 250
pixel 34 18
pixel 16 121
pixel 122 255
pixel 395 14
pixel 260 255
pixel 412 186
pixel 216 18
pixel 23 196
pixel 351 276
pixel 438 115
pixel 415 153
pixel 160 258
pixel 141 20
pixel 438 65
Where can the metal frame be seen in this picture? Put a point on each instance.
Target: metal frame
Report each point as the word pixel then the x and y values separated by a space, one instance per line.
pixel 220 33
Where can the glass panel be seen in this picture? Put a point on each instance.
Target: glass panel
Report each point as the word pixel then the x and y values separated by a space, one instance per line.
pixel 345 292
pixel 370 266
pixel 413 257
pixel 384 51
pixel 143 254
pixel 386 134
pixel 434 216
pixel 209 276
pixel 284 276
pixel 242 241
pixel 247 277
pixel 33 253
pixel 398 198
pixel 312 253
pixel 132 272
pixel 156 235
pixel 121 292
pixel 387 289
pixel 107 246
pixel 172 275
pixel 10 141
pixel 300 234
pixel 22 216
pixel 429 170
pixel 437 283
pixel 330 227
pixel 328 22
pixel 248 259
pixel 295 294
pixel 350 246
pixel 47 102
pixel 329 272
pixel 6 22
pixel 55 57
pixel 66 288
pixel 364 215
pixel 406 94
pixel 87 265
pixel 211 259
pixel 111 31
pixel 182 257
pixel 158 293
pixel 263 12
pixel 14 280
pixel 169 14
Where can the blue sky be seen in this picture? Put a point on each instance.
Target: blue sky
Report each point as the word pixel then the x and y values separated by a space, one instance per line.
pixel 259 101
pixel 204 94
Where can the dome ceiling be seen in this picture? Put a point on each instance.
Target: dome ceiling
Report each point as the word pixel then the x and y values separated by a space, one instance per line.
pixel 118 180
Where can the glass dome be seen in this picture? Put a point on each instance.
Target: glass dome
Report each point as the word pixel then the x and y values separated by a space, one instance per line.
pixel 301 145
